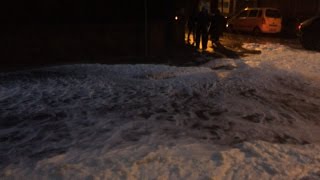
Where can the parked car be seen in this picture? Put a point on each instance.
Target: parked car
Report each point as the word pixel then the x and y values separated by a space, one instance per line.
pixel 290 26
pixel 308 33
pixel 256 20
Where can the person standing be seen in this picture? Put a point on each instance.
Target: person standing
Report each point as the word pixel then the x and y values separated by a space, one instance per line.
pixel 192 27
pixel 203 22
pixel 218 23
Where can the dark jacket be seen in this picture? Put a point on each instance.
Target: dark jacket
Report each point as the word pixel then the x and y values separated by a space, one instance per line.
pixel 203 21
pixel 218 24
pixel 192 21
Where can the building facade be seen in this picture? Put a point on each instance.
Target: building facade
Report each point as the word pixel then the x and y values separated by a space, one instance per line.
pixel 293 8
pixel 64 31
pixel 288 8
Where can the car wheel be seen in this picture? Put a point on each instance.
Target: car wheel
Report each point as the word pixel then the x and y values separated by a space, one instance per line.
pixel 256 31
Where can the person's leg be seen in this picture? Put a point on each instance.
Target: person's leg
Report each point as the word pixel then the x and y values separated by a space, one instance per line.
pixel 211 38
pixel 189 32
pixel 193 36
pixel 198 34
pixel 204 40
pixel 218 39
pixel 215 39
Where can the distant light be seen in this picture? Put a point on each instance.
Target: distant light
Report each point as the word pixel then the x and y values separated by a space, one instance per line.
pixel 227 25
pixel 176 18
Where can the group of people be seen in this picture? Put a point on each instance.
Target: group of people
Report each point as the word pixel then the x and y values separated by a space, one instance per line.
pixel 202 25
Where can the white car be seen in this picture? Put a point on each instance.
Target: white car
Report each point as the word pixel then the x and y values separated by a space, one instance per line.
pixel 256 20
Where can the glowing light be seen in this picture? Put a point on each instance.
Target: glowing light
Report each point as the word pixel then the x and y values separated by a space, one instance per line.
pixel 176 18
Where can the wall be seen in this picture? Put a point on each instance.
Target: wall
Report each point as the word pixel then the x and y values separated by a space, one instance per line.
pixel 293 8
pixel 235 6
pixel 68 31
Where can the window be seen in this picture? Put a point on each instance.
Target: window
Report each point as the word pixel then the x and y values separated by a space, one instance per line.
pixel 253 13
pixel 273 13
pixel 243 14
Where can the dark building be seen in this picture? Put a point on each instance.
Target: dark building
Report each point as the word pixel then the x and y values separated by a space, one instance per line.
pixel 289 8
pixel 293 8
pixel 72 31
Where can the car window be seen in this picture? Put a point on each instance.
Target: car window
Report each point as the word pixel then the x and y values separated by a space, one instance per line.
pixel 243 14
pixel 273 13
pixel 317 21
pixel 253 13
pixel 260 13
pixel 311 20
pixel 316 24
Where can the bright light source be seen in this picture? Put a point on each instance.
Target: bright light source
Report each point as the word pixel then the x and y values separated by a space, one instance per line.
pixel 176 18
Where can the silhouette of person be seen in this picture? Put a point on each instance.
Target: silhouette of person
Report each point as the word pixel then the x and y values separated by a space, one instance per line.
pixel 203 21
pixel 218 23
pixel 192 26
